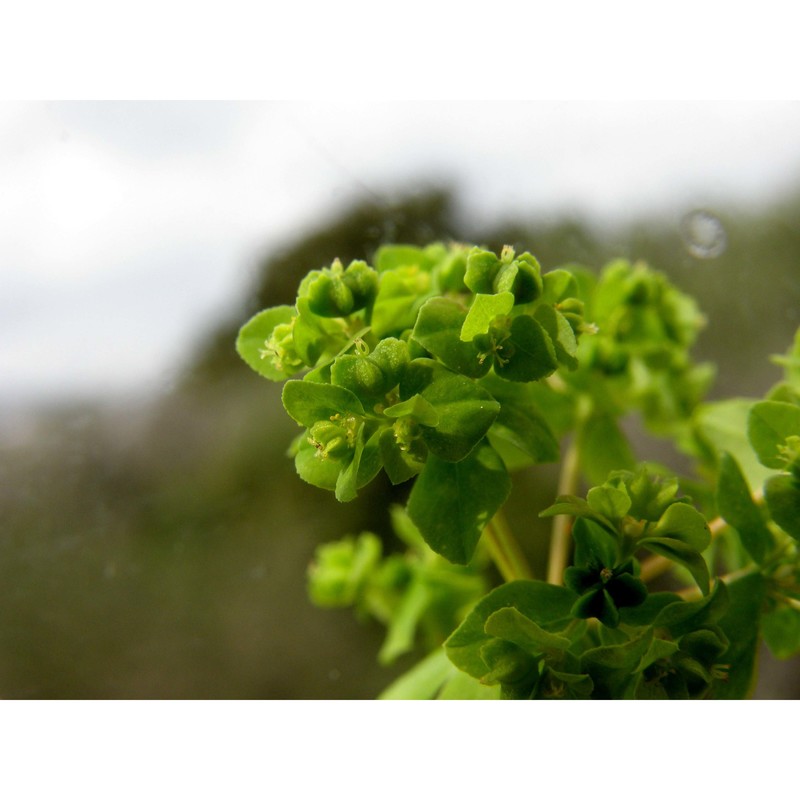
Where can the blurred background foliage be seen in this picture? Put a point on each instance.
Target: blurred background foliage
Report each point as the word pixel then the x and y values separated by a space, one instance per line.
pixel 159 550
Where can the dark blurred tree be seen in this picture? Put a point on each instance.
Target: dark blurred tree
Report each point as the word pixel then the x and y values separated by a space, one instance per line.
pixel 166 558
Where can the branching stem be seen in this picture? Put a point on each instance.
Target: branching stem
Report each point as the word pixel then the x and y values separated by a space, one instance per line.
pixel 505 550
pixel 562 524
pixel 693 593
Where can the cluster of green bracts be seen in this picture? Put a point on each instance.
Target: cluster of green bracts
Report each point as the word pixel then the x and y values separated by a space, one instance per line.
pixel 451 366
pixel 420 366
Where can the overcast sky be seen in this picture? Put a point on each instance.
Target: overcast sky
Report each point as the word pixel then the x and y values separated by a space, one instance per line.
pixel 127 228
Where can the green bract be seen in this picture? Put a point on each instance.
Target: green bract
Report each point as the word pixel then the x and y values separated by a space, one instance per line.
pixel 394 356
pixel 449 367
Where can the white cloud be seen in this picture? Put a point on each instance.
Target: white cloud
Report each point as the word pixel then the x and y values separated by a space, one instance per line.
pixel 144 219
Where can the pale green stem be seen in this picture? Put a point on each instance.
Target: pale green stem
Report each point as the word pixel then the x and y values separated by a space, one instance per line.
pixel 505 550
pixel 562 524
pixel 693 593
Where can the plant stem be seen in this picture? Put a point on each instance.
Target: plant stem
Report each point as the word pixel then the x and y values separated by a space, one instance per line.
pixel 693 593
pixel 505 550
pixel 562 524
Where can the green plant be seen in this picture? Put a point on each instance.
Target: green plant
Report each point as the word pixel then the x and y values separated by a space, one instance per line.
pixel 452 367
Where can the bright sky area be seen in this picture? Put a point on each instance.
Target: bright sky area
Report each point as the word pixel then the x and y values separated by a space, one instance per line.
pixel 127 229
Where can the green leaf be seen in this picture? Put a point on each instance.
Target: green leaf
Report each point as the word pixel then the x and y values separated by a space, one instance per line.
pixel 594 545
pixel 659 648
pixel 558 284
pixel 465 410
pixel 519 422
pixel 422 681
pixel 556 685
pixel 685 616
pixel 558 408
pixel 397 256
pixel 401 292
pixel 438 330
pixel 364 466
pixel 417 408
pixel 741 625
pixel 647 612
pixel 577 507
pixel 650 494
pixel 560 332
pixel 612 667
pixel 269 355
pixel 791 363
pixel 528 354
pixel 451 502
pixel 484 308
pixel 314 336
pixel 602 448
pixel 482 267
pixel 512 626
pixel 782 495
pixel 686 524
pixel 723 425
pixel 609 501
pixel 460 686
pixel 308 402
pixel 781 629
pixel 341 570
pixel 360 375
pixel 683 554
pixel 400 465
pixel 510 666
pixel 392 356
pixel 542 603
pixel 320 472
pixel 400 635
pixel 769 424
pixel 735 504
pixel 568 504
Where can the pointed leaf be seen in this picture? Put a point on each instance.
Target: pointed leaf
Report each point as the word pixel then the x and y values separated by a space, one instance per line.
pixel 560 332
pixel 686 524
pixel 403 626
pixel 736 506
pixel 452 502
pixel 308 402
pixel 528 354
pixel 769 424
pixel 400 465
pixel 513 626
pixel 520 423
pixel 782 494
pixel 255 344
pixel 438 330
pixel 484 308
pixel 609 501
pixel 603 448
pixel 422 681
pixel 684 616
pixel 613 667
pixel 416 407
pixel 683 554
pixel 543 603
pixel 465 411
pixel 741 625
pixel 781 628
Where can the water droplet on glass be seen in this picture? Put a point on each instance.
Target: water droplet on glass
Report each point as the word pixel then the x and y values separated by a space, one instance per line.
pixel 703 234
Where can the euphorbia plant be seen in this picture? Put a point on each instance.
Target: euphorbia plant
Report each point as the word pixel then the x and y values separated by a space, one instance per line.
pixel 450 367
